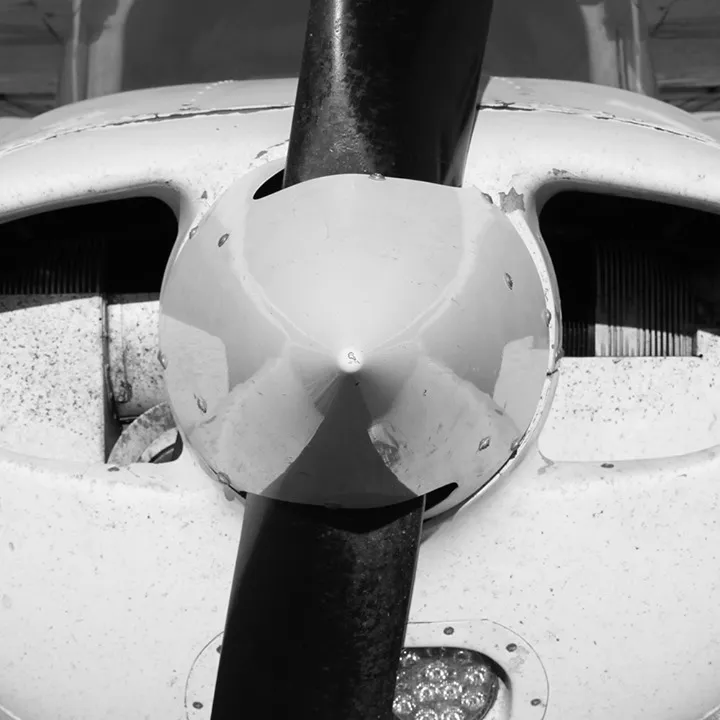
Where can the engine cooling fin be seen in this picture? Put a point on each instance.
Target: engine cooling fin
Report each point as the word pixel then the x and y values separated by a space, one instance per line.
pixel 639 306
pixel 42 267
pixel 110 248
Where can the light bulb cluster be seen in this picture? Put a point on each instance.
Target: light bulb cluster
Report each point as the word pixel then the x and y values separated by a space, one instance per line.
pixel 444 684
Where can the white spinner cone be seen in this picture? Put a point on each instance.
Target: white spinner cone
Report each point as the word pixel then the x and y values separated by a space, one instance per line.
pixel 354 342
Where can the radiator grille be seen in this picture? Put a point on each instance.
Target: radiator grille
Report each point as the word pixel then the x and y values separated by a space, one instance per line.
pixel 117 247
pixel 644 308
pixel 637 276
pixel 641 306
pixel 40 266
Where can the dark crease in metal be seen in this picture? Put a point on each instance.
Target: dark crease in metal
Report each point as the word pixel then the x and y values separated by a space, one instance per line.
pixel 512 107
pixel 138 120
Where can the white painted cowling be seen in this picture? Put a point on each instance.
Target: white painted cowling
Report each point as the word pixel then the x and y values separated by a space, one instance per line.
pixel 354 341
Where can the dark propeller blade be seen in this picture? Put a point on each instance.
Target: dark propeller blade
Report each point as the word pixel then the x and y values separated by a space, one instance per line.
pixel 320 597
pixel 388 86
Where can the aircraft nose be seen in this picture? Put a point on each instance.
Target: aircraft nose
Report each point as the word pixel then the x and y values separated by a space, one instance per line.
pixel 354 341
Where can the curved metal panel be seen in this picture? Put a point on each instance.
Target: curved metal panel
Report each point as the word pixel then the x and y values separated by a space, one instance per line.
pixel 582 539
pixel 112 580
pixel 347 319
pixel 609 571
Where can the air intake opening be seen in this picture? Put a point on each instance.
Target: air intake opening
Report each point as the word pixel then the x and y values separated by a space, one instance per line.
pixel 118 247
pixel 79 290
pixel 636 277
pixel 640 299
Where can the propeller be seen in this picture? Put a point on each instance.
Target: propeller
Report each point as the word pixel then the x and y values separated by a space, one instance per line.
pixel 320 594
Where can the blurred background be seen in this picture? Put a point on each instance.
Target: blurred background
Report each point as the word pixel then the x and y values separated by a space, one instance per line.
pixel 57 51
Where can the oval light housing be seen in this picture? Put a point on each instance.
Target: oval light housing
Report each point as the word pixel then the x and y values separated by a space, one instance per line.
pixel 444 684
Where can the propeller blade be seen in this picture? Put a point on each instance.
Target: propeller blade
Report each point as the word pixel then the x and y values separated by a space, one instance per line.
pixel 320 597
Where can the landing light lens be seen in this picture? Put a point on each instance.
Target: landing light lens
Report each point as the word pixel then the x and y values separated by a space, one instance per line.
pixel 444 684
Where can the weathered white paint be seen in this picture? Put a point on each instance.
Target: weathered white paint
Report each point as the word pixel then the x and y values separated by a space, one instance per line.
pixel 632 408
pixel 135 371
pixel 52 376
pixel 113 581
pixel 589 565
pixel 539 131
pixel 610 573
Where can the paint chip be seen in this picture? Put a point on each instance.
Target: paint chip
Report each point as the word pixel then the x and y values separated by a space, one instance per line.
pixel 511 201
